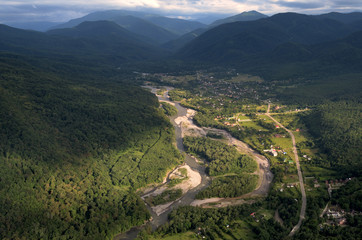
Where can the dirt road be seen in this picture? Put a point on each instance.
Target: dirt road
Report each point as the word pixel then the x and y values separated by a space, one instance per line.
pixel 300 175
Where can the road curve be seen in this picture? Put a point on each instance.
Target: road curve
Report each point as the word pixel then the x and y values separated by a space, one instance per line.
pixel 300 176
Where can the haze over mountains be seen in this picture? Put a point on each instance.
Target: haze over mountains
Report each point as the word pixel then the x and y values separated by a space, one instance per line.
pixel 157 28
pixel 125 35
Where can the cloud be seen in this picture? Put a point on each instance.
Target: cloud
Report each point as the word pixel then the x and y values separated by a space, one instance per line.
pixel 300 5
pixel 63 10
pixel 32 12
pixel 347 3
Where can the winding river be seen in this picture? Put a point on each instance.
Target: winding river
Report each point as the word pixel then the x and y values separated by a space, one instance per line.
pixel 187 198
pixel 265 176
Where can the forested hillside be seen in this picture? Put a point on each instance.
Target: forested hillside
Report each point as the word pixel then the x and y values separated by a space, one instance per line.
pixel 102 42
pixel 337 126
pixel 72 151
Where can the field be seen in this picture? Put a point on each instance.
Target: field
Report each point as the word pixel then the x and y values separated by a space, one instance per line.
pixel 252 124
pixel 320 173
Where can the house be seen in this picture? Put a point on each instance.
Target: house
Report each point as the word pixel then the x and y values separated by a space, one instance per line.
pixel 342 221
pixel 272 151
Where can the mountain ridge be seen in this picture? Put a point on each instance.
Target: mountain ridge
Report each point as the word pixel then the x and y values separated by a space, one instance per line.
pixel 102 40
pixel 173 25
pixel 244 16
pixel 242 38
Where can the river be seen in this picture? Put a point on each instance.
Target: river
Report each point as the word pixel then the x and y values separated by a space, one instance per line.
pixel 264 171
pixel 188 197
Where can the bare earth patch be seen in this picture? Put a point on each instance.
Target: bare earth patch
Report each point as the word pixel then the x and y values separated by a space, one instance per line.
pixel 188 128
pixel 196 203
pixel 171 103
pixel 192 181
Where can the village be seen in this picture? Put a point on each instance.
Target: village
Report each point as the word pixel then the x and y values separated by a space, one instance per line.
pixel 243 109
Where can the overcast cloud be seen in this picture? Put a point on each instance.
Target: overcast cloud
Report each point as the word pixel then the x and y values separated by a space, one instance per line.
pixel 64 10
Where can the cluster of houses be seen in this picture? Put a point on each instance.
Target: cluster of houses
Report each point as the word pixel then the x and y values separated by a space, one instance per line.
pixel 235 90
pixel 306 157
pixel 274 151
pixel 336 217
pixel 288 185
pixel 337 182
pixel 331 184
pixel 316 183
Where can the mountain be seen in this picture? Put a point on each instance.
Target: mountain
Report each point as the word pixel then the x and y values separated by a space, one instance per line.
pixel 188 37
pixel 37 26
pixel 21 41
pixel 148 25
pixel 102 15
pixel 342 17
pixel 99 41
pixel 175 25
pixel 210 18
pixel 244 16
pixel 148 30
pixel 183 40
pixel 235 41
pixel 108 38
pixel 346 51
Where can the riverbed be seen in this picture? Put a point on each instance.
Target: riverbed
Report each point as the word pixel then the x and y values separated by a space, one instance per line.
pixel 184 125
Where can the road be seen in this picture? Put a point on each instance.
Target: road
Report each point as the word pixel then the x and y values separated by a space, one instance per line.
pixel 300 176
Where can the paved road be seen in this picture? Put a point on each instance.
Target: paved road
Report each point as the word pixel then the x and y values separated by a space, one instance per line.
pixel 300 176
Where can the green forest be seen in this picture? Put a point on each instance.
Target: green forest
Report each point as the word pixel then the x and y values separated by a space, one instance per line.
pixel 235 222
pixel 229 186
pixel 221 158
pixel 169 109
pixel 73 149
pixel 337 128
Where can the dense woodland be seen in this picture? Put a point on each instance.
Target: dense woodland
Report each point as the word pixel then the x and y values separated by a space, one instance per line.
pixel 220 223
pixel 337 126
pixel 169 109
pixel 73 149
pixel 229 186
pixel 165 197
pixel 221 157
pixel 350 196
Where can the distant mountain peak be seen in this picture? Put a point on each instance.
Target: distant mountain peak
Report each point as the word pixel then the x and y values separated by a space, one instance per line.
pixel 156 28
pixel 244 16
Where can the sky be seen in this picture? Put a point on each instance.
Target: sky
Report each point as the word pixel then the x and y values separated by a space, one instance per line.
pixel 64 10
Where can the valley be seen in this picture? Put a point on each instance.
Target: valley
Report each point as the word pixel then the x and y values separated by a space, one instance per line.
pixel 224 125
pixel 122 124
